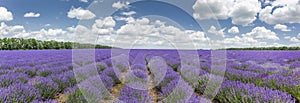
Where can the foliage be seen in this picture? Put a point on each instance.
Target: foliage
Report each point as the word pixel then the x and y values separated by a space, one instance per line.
pixel 33 44
pixel 266 48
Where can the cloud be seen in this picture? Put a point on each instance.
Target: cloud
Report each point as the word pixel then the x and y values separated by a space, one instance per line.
pixel 5 14
pixel 212 9
pixel 145 33
pixel 281 27
pixel 120 5
pixel 47 25
pixel 257 37
pixel 242 12
pixel 10 31
pixel 84 1
pixel 262 33
pixel 82 34
pixel 127 19
pixel 104 26
pixel 18 31
pixel 234 30
pixel 241 41
pixel 31 15
pixel 294 39
pixel 80 14
pixel 47 34
pixel 281 11
pixel 137 27
pixel 129 13
pixel 213 30
pixel 53 32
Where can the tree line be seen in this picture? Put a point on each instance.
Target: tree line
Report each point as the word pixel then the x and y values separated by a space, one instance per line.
pixel 266 48
pixel 33 44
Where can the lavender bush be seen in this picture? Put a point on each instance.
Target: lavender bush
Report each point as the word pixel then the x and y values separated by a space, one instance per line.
pixel 43 76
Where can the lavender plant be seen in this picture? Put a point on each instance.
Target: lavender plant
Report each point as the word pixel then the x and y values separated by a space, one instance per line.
pixel 130 95
pixel 46 87
pixel 18 93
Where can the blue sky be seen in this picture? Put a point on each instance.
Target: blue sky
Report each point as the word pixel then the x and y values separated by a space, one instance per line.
pixel 52 12
pixel 236 23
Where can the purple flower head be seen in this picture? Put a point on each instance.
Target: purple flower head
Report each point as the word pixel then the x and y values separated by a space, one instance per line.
pixel 74 95
pixel 45 101
pixel 130 95
pixel 19 93
pixel 10 79
pixel 101 66
pixel 139 67
pixel 46 86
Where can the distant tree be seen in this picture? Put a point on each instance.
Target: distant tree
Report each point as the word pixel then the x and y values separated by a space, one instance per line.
pixel 33 44
pixel 266 48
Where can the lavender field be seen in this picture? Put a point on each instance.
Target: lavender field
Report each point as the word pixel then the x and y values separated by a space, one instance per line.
pixel 149 76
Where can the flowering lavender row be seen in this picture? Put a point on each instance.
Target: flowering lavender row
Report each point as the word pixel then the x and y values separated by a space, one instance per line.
pixel 43 74
pixel 49 76
pixel 234 91
pixel 131 95
pixel 248 71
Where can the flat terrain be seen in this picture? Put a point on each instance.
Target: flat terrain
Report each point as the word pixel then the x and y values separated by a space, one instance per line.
pixel 149 76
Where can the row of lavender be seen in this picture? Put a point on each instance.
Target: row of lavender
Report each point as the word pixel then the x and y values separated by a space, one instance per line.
pixel 276 76
pixel 234 87
pixel 36 76
pixel 278 84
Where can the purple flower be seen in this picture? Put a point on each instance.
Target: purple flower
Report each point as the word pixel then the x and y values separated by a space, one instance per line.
pixel 10 79
pixel 93 90
pixel 61 80
pixel 45 101
pixel 139 67
pixel 111 73
pixel 101 66
pixel 234 91
pixel 130 95
pixel 18 93
pixel 295 65
pixel 45 86
pixel 74 95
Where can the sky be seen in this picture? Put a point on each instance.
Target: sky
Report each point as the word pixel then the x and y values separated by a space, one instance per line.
pixel 155 24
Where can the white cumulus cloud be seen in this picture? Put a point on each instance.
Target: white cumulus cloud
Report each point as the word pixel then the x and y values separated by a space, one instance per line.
pixel 104 26
pixel 294 39
pixel 80 14
pixel 129 13
pixel 213 30
pixel 242 12
pixel 18 31
pixel 5 14
pixel 84 1
pixel 281 27
pixel 31 15
pixel 10 31
pixel 257 37
pixel 262 33
pixel 120 5
pixel 234 30
pixel 281 11
pixel 145 33
pixel 208 9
